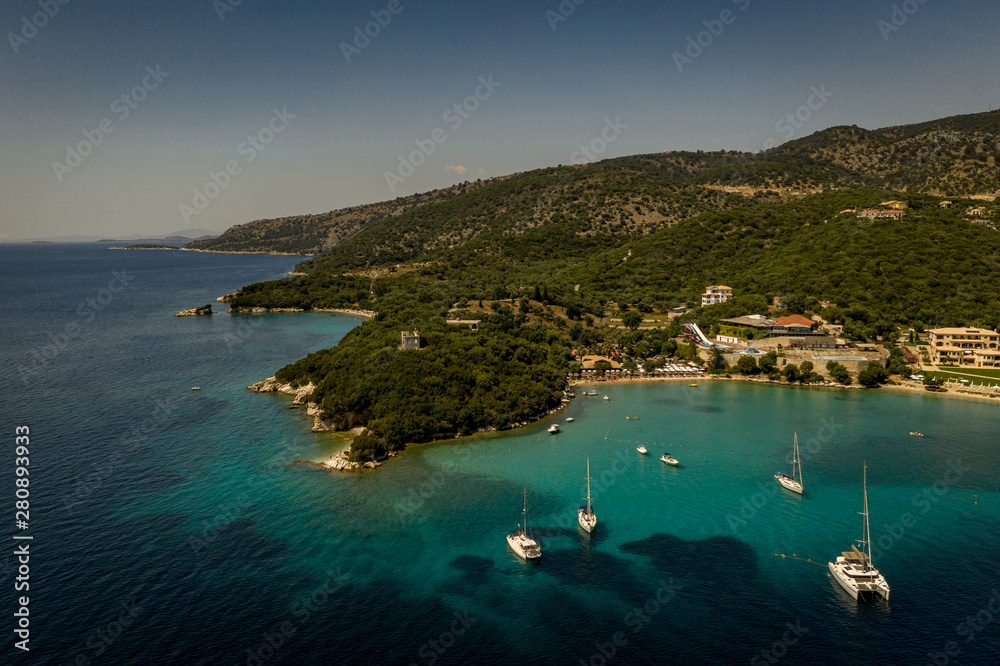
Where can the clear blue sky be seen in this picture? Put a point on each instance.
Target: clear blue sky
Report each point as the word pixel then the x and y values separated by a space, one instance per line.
pixel 352 120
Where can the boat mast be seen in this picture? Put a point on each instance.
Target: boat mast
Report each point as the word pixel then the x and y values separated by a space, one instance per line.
pixel 589 510
pixel 525 512
pixel 867 529
pixel 796 460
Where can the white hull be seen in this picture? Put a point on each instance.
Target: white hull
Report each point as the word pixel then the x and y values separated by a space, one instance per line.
pixel 588 521
pixel 790 484
pixel 673 462
pixel 523 547
pixel 876 588
pixel 642 450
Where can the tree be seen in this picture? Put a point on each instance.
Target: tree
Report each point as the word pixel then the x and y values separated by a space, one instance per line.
pixel 839 373
pixel 747 365
pixel 601 367
pixel 873 375
pixel 632 319
pixel 717 362
pixel 768 362
pixel 792 373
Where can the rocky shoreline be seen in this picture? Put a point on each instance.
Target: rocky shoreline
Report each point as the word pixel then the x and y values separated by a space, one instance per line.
pixel 200 311
pixel 301 395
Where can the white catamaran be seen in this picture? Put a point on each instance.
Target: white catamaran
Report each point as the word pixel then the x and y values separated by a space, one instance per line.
pixel 854 570
pixel 519 540
pixel 793 482
pixel 585 514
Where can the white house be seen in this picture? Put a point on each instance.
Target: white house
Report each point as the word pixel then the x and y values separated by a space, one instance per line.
pixel 716 294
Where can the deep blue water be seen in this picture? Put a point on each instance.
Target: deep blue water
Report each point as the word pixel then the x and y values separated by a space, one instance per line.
pixel 187 508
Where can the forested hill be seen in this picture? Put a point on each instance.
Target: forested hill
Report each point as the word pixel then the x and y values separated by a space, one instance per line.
pixel 954 156
pixel 311 234
pixel 600 205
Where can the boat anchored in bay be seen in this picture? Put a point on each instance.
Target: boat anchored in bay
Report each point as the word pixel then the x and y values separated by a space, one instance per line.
pixel 793 482
pixel 854 570
pixel 585 514
pixel 520 540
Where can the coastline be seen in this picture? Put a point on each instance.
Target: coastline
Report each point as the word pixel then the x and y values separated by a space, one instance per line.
pixel 275 254
pixel 908 387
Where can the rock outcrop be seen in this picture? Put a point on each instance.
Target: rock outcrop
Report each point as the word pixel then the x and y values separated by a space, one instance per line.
pixel 226 297
pixel 196 312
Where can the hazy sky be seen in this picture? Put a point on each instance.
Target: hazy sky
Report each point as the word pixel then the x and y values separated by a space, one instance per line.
pixel 153 98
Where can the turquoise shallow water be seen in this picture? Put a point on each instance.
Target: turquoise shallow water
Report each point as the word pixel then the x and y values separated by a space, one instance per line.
pixel 236 555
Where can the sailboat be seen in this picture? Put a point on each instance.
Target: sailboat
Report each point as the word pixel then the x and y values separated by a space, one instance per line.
pixel 793 482
pixel 854 570
pixel 585 514
pixel 523 545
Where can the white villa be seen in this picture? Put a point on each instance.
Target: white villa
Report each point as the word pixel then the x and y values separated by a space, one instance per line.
pixel 716 294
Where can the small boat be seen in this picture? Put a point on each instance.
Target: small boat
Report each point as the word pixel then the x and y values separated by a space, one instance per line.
pixel 916 433
pixel 569 419
pixel 520 541
pixel 792 482
pixel 607 398
pixel 854 570
pixel 198 388
pixel 642 449
pixel 693 385
pixel 585 514
pixel 553 429
pixel 669 459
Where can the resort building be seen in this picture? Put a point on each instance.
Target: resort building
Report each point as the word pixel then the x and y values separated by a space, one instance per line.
pixel 946 204
pixel 792 326
pixel 411 341
pixel 757 327
pixel 716 294
pixel 739 329
pixel 974 347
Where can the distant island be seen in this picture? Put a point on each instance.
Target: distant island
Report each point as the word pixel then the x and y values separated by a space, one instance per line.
pixel 144 246
pixel 839 259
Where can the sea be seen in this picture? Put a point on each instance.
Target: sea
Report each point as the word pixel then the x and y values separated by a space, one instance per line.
pixel 178 526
